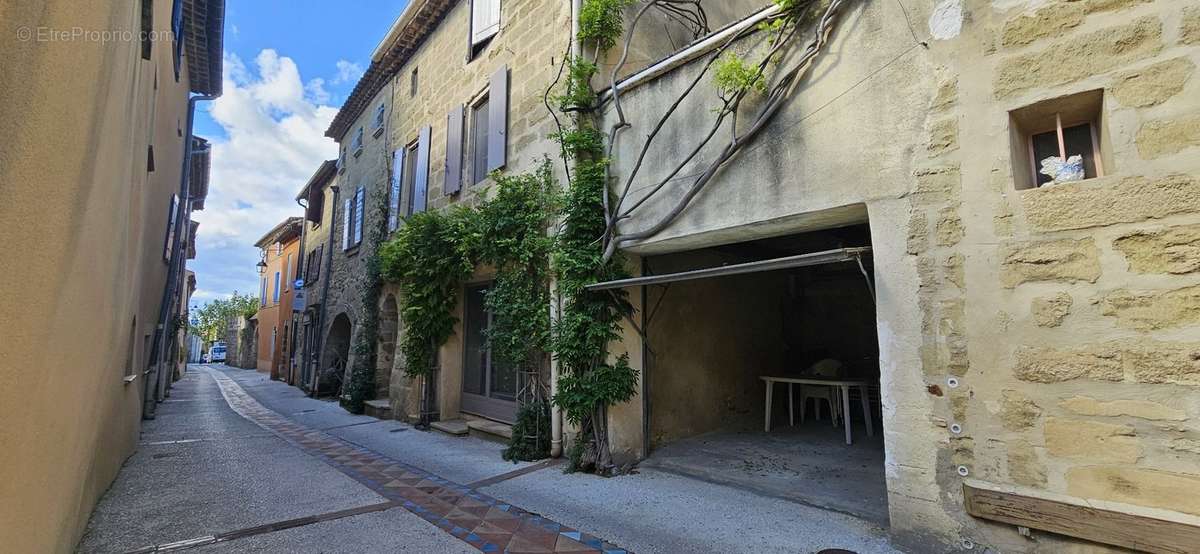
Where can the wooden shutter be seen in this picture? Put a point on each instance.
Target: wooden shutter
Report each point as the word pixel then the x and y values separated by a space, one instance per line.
pixel 454 150
pixel 394 190
pixel 346 223
pixel 172 218
pixel 359 201
pixel 318 260
pixel 421 180
pixel 498 120
pixel 485 20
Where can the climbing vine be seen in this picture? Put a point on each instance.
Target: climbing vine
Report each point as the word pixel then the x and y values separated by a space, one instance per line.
pixel 361 385
pixel 435 251
pixel 531 234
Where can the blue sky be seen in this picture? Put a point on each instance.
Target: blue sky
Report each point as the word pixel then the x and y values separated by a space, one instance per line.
pixel 289 65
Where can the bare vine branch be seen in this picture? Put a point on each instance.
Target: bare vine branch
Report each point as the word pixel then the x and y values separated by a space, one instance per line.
pixel 776 98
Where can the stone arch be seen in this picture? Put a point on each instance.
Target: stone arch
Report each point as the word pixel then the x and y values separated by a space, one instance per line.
pixel 385 345
pixel 336 354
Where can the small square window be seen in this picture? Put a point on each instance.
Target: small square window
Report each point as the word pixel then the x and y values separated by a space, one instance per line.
pixel 1058 128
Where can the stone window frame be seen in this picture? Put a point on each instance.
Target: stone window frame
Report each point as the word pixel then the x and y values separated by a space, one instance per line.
pixel 1056 115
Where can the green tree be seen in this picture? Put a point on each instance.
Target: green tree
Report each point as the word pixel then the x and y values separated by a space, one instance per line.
pixel 213 316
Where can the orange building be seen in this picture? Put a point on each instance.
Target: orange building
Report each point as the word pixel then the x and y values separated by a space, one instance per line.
pixel 277 269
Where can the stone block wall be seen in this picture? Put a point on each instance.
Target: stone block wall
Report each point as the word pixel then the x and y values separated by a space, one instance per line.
pixel 1067 314
pixel 531 42
pixel 1039 337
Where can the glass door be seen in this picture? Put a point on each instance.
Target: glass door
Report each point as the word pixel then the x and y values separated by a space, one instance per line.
pixel 489 388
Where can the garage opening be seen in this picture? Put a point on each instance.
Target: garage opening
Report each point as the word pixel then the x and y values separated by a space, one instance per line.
pixel 793 315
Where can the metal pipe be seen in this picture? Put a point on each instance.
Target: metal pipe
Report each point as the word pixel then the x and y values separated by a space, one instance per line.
pixel 301 269
pixel 149 399
pixel 556 419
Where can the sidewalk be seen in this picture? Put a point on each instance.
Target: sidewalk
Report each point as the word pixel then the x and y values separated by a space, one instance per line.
pixel 241 474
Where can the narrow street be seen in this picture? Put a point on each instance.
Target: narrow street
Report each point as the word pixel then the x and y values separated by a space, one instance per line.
pixel 235 462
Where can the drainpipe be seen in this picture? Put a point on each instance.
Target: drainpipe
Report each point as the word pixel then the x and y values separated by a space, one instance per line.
pixel 296 321
pixel 170 292
pixel 316 384
pixel 556 419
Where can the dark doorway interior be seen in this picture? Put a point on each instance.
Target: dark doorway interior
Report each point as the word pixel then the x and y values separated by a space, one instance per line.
pixel 335 357
pixel 711 341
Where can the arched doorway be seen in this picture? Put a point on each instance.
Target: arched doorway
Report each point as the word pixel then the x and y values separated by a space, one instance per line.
pixel 385 352
pixel 335 357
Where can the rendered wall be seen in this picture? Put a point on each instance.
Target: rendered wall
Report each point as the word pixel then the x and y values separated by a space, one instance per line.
pixel 83 232
pixel 1062 313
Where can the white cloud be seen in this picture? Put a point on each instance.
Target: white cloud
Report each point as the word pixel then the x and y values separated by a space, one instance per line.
pixel 275 125
pixel 347 71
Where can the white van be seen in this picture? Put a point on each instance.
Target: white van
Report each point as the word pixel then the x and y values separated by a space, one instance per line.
pixel 217 352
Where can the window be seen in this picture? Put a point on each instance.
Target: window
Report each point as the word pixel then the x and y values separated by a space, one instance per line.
pixel 312 266
pixel 353 212
pixel 377 124
pixel 147 27
pixel 172 216
pixel 489 129
pixel 356 145
pixel 394 187
pixel 485 23
pixel 479 141
pixel 287 273
pixel 341 163
pixel 412 84
pixel 177 33
pixel 275 293
pixel 150 159
pixel 130 361
pixel 278 248
pixel 410 176
pixel 262 292
pixel 360 198
pixel 1057 128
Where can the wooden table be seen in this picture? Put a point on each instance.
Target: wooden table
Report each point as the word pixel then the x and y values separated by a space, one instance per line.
pixel 841 384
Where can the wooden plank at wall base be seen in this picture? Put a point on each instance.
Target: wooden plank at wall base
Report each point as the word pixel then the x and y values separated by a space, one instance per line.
pixel 1080 521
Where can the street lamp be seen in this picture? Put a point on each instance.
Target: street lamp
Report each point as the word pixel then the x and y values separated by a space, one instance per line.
pixel 262 264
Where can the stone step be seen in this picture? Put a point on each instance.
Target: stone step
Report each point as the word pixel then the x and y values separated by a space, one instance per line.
pixel 455 427
pixel 379 409
pixel 490 430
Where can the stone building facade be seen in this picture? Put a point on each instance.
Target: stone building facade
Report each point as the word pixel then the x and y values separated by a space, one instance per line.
pixel 416 107
pixel 95 219
pixel 1035 340
pixel 317 246
pixel 281 253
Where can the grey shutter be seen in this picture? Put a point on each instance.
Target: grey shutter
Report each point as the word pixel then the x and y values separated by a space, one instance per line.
pixel 421 181
pixel 454 150
pixel 346 223
pixel 394 191
pixel 498 120
pixel 359 202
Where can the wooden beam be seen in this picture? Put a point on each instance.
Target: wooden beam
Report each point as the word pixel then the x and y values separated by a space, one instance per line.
pixel 1105 526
